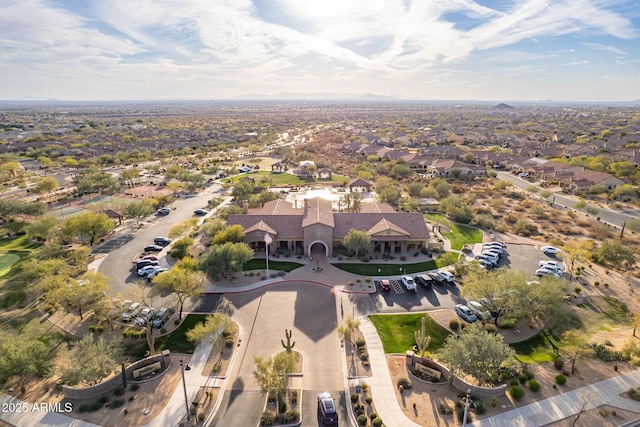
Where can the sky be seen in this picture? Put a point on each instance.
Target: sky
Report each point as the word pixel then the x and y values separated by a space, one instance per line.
pixel 561 50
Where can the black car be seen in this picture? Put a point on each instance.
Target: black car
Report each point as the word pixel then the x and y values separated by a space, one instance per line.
pixel 200 212
pixel 161 241
pixel 424 280
pixel 145 262
pixel 153 248
pixel 327 409
pixel 437 278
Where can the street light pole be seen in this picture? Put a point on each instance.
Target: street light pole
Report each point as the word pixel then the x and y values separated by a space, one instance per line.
pixel 466 407
pixel 184 387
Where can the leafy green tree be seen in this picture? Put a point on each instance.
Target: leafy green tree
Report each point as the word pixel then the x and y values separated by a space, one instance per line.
pixel 242 189
pixel 182 228
pixel 138 210
pixel 88 224
pixel 441 186
pixel 226 258
pixel 390 195
pixel 457 209
pixel 575 345
pixel 212 330
pixel 272 374
pixel 616 254
pixel 357 241
pixel 45 185
pixel 400 171
pixel 44 228
pixel 476 352
pixel 212 227
pixel 129 174
pixel 23 357
pixel 182 283
pixel 90 361
pixel 347 329
pixel 233 233
pixel 83 293
pixel 415 188
pixel 11 207
pixel 578 250
pixel 180 247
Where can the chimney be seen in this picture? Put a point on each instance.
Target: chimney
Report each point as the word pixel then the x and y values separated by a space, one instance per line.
pixel 245 206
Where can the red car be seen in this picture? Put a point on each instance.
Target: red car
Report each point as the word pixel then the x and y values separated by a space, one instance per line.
pixel 150 257
pixel 385 286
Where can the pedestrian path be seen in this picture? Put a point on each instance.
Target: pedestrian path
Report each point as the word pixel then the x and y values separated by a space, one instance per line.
pixel 606 392
pixel 382 389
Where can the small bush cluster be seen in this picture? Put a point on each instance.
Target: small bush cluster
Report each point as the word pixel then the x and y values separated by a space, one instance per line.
pixel 516 392
pixel 405 383
pixel 606 354
pixel 558 363
pixel 454 324
pixel 267 419
pixel 534 385
pixel 116 403
pixel 509 323
pixel 362 420
pixel 561 379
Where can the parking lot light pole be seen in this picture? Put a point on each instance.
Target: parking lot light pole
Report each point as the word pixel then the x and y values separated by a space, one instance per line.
pixel 466 407
pixel 184 387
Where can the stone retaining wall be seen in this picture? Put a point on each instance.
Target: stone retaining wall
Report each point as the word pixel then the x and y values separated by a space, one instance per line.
pixel 116 381
pixel 458 383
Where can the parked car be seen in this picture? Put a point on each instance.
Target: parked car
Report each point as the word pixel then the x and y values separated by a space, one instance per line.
pixel 491 256
pixel 437 278
pixel 146 270
pixel 465 313
pixel 500 245
pixel 479 310
pixel 550 250
pixel 131 312
pixel 448 276
pixel 159 319
pixel 164 211
pixel 144 263
pixel 153 248
pixel 144 316
pixel 155 272
pixel 161 241
pixel 150 257
pixel 423 280
pixel 385 286
pixel 497 247
pixel 497 253
pixel 327 408
pixel 200 212
pixel 547 272
pixel 491 260
pixel 485 263
pixel 552 264
pixel 408 283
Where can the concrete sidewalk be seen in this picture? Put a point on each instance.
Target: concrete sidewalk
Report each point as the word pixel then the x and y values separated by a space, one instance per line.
pixel 606 392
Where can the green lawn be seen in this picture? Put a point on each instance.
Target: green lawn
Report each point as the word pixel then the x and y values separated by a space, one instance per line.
pixel 537 349
pixel 6 261
pixel 460 234
pixel 284 178
pixel 176 341
pixel 260 264
pixel 390 269
pixel 396 331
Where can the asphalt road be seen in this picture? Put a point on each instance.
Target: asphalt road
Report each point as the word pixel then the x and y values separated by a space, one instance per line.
pixel 129 242
pixel 607 215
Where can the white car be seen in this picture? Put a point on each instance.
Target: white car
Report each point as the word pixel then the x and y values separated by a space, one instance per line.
pixel 479 310
pixel 547 272
pixel 552 264
pixel 550 250
pixel 144 271
pixel 408 283
pixel 448 276
pixel 487 259
pixel 491 255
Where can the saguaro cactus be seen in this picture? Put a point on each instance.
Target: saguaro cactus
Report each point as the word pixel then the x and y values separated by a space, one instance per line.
pixel 422 339
pixel 289 345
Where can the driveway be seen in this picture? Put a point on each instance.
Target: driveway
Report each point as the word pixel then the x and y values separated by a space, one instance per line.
pixel 310 311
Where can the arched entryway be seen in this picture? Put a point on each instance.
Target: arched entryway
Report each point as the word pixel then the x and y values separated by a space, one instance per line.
pixel 318 248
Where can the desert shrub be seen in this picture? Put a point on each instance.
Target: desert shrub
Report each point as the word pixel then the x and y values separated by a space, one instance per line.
pixel 116 403
pixel 373 415
pixel 369 400
pixel 228 342
pixel 606 354
pixel 118 392
pixel 364 356
pixel 480 408
pixel 516 392
pixel 522 378
pixel 354 398
pixel 534 385
pixel 561 379
pixel 291 416
pixel 445 409
pixel 558 363
pixel 490 327
pixel 633 394
pixel 509 323
pixel 454 324
pixel 362 420
pixel 530 375
pixel 514 381
pixel 404 382
pixel 267 419
pixel 360 342
pixel 377 422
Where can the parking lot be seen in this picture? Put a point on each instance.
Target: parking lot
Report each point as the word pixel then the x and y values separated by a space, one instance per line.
pixel 524 257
